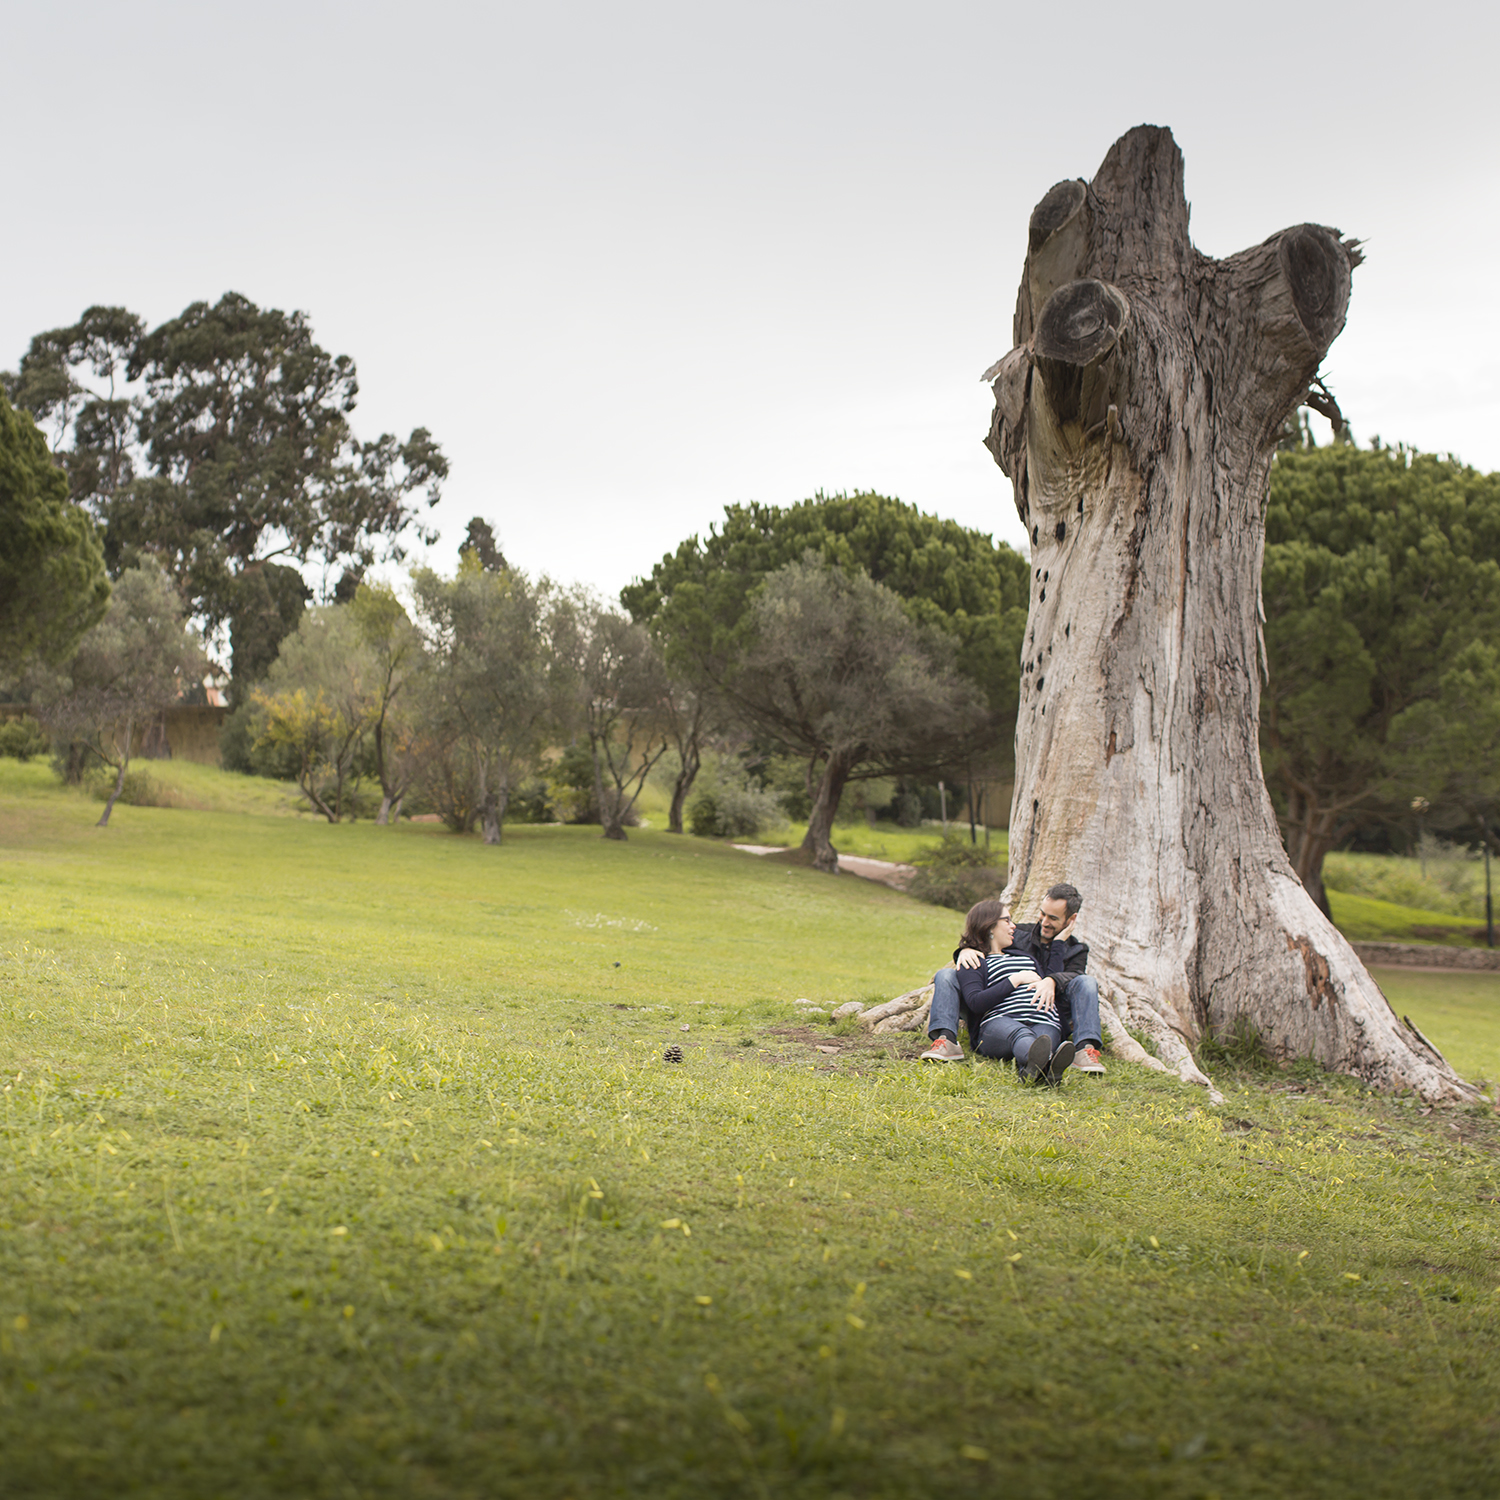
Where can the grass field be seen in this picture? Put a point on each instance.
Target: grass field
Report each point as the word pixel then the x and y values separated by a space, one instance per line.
pixel 889 841
pixel 1368 919
pixel 343 1161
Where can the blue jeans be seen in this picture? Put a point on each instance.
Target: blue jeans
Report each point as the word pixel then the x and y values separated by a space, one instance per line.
pixel 1077 1007
pixel 1005 1036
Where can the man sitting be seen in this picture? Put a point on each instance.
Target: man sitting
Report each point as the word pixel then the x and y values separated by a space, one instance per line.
pixel 1067 989
pixel 999 1000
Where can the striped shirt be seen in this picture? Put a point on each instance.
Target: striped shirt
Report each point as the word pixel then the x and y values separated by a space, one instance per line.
pixel 1020 1002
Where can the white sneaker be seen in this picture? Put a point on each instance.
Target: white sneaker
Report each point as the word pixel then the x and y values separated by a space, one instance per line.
pixel 1087 1060
pixel 942 1050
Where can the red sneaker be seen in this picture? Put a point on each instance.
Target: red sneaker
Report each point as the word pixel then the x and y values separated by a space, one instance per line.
pixel 942 1050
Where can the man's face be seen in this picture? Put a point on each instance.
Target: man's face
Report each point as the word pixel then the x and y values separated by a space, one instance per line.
pixel 1054 917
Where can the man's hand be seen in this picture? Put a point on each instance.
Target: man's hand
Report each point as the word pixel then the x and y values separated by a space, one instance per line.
pixel 969 958
pixel 1046 994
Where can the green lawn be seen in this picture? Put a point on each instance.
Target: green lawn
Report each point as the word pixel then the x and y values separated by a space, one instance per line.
pixel 889 841
pixel 1368 919
pixel 343 1161
pixel 1458 1011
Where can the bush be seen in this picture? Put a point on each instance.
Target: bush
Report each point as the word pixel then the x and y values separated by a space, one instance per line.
pixel 239 752
pixel 863 801
pixel 140 790
pixel 530 804
pixel 956 874
pixel 908 806
pixel 22 738
pixel 1242 1049
pixel 1452 881
pixel 729 811
pixel 570 786
pixel 786 776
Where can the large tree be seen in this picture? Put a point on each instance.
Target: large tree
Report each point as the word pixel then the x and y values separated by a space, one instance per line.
pixel 697 599
pixel 622 700
pixel 1448 747
pixel 1137 416
pixel 495 687
pixel 52 581
pixel 1382 569
pixel 320 701
pixel 221 440
pixel 834 669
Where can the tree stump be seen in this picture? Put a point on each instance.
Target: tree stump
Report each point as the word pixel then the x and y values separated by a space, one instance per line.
pixel 1137 417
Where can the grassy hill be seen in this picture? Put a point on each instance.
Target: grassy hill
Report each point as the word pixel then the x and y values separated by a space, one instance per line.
pixel 344 1161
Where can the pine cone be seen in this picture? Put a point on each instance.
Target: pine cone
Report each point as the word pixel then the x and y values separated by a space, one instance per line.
pixel 672 1054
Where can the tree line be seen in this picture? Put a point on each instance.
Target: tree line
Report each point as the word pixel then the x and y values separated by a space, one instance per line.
pixel 163 487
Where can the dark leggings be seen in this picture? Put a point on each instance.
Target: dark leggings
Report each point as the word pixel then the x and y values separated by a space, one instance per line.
pixel 1004 1036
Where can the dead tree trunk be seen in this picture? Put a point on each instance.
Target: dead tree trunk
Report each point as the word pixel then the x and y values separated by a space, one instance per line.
pixel 1137 418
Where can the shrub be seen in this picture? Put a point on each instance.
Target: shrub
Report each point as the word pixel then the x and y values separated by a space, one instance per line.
pixel 908 810
pixel 530 804
pixel 1241 1049
pixel 1452 881
pixel 956 874
pixel 140 790
pixel 863 801
pixel 729 811
pixel 22 738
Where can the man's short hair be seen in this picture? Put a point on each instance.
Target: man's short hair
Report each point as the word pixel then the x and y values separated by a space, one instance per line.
pixel 1068 894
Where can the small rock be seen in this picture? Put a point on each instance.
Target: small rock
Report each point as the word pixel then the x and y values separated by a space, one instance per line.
pixel 827 1049
pixel 848 1008
pixel 685 1026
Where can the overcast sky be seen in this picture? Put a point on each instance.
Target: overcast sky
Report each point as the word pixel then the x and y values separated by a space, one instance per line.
pixel 633 263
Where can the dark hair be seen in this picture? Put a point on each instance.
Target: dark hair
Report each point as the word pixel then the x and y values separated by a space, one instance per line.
pixel 1068 894
pixel 980 923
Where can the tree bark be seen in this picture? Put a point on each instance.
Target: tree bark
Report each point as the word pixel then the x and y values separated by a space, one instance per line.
pixel 114 796
pixel 1137 418
pixel 691 760
pixel 383 817
pixel 818 841
pixel 610 817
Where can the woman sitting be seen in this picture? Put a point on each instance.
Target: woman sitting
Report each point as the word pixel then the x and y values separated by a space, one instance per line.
pixel 999 997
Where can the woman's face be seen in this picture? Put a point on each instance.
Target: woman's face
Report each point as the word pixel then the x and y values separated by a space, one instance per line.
pixel 1000 938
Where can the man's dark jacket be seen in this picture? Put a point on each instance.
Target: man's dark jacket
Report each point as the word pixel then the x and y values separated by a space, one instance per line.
pixel 1059 961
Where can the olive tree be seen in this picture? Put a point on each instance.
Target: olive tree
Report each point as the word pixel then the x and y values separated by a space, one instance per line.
pixel 835 669
pixel 140 658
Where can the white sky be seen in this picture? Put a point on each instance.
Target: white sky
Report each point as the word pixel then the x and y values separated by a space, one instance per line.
pixel 633 263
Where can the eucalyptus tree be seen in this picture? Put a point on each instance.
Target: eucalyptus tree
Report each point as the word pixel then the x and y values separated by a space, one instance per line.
pixel 221 440
pixel 1137 416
